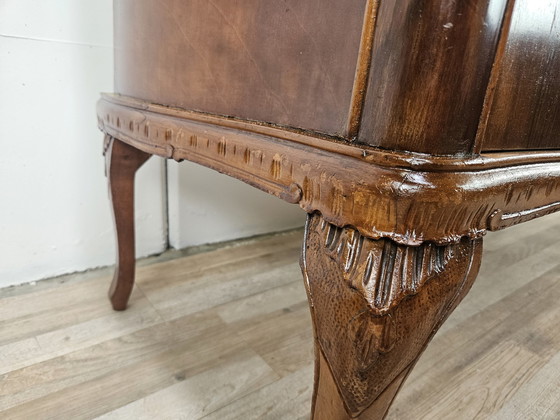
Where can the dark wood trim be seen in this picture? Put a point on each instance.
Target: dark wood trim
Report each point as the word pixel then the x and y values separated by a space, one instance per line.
pixel 409 198
pixel 362 70
pixel 377 156
pixel 431 64
pixel 494 76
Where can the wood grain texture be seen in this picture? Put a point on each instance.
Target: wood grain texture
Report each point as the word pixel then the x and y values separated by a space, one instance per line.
pixel 430 69
pixel 407 75
pixel 367 335
pixel 524 107
pixel 407 198
pixel 122 162
pixel 495 358
pixel 274 94
pixel 255 59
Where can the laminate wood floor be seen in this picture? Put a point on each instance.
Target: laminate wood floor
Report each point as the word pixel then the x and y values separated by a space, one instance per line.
pixel 226 334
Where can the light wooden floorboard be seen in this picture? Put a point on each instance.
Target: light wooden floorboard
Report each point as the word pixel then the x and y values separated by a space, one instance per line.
pixel 226 334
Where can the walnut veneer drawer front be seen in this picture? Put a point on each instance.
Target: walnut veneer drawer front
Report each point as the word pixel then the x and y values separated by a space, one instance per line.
pixel 397 125
pixel 253 59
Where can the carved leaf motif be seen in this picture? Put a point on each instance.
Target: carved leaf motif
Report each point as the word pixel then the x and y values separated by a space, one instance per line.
pixel 383 271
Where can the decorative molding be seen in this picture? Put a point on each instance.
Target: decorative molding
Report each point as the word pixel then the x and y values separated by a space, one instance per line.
pixel 379 157
pixel 498 220
pixel 408 198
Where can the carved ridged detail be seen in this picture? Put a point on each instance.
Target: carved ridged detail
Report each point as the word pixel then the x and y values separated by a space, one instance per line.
pixel 348 188
pixel 222 147
pixel 276 167
pixel 384 275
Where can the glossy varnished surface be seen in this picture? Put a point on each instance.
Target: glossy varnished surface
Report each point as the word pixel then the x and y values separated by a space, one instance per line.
pixel 405 197
pixel 430 68
pixel 439 77
pixel 285 62
pixel 345 108
pixel 524 100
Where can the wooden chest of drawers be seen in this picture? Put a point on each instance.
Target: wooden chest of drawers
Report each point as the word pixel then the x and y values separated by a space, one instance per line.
pixel 406 129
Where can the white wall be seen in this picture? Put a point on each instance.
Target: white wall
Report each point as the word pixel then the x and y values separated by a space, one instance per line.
pixel 206 206
pixel 55 58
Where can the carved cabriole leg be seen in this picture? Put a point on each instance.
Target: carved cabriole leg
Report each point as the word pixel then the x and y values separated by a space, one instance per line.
pixel 375 306
pixel 122 162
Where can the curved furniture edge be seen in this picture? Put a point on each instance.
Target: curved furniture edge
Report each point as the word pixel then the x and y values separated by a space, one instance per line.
pixel 409 198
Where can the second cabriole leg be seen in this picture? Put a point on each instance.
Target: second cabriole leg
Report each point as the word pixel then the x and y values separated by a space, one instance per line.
pixel 122 162
pixel 375 306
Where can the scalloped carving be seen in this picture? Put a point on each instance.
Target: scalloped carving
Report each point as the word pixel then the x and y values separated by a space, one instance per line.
pixel 384 273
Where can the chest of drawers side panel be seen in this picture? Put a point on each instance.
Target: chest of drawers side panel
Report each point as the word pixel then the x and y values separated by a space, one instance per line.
pixel 288 63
